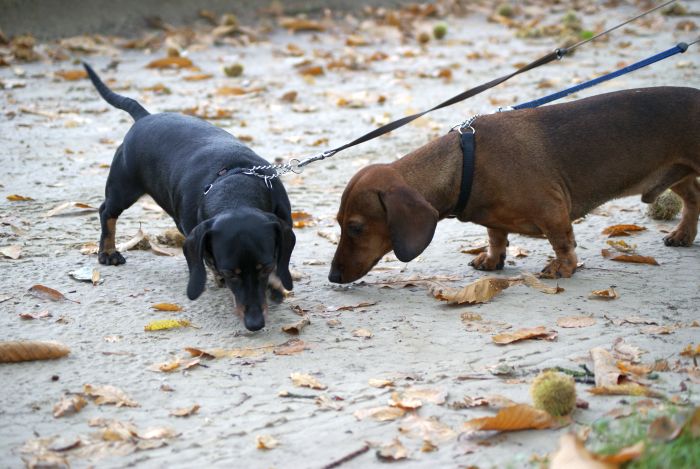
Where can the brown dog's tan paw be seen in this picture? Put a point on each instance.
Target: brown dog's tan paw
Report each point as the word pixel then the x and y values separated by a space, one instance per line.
pixel 678 238
pixel 558 269
pixel 484 262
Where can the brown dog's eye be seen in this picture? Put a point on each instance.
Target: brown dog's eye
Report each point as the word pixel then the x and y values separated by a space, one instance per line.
pixel 355 229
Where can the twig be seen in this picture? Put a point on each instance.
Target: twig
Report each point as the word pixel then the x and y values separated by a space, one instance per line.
pixel 347 457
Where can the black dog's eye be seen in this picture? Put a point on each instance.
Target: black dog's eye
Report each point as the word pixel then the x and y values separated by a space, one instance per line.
pixel 355 229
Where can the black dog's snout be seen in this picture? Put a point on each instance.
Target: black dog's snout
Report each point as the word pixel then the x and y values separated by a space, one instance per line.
pixel 254 320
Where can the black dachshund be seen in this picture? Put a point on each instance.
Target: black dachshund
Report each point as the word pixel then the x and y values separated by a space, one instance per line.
pixel 240 224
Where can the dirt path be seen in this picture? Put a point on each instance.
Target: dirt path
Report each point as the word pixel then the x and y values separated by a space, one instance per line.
pixel 56 141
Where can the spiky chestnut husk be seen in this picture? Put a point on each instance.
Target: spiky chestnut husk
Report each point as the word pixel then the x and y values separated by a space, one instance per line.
pixel 554 393
pixel 665 207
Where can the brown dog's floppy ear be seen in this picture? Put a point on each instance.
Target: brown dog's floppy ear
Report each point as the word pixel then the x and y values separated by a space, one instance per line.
pixel 285 245
pixel 411 219
pixel 194 253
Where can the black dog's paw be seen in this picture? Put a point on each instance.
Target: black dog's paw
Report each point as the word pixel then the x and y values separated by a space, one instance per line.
pixel 276 296
pixel 113 258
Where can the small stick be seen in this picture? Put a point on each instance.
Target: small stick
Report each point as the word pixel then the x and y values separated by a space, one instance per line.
pixel 347 457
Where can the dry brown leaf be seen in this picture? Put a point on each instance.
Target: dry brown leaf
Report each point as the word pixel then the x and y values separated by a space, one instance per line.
pixel 156 433
pixel 494 401
pixel 303 380
pixel 326 403
pixel 139 241
pixel 265 442
pixel 13 251
pixel 432 395
pixel 631 369
pixel 533 282
pixel 362 333
pixel 18 198
pixel 393 451
pixel 364 304
pixel 71 75
pixel 236 90
pixel 109 395
pixel 166 307
pixel 658 330
pixel 170 62
pixel 572 454
pixel 297 326
pixel 622 246
pixel 227 353
pixel 46 293
pixel 381 383
pixel 27 350
pixel 69 405
pixel 576 321
pixel 540 332
pixel 480 291
pixel 312 70
pixel 622 230
pixel 301 24
pixel 475 250
pixel 605 368
pixel 690 351
pixel 198 77
pixel 514 418
pixel 404 402
pixel 627 389
pixel 39 315
pixel 430 429
pixel 290 347
pixel 380 414
pixel 632 258
pixel 624 351
pixel 607 294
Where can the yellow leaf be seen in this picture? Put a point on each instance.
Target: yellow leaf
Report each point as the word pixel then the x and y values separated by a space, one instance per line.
pixel 166 307
pixel 540 332
pixel 163 324
pixel 514 418
pixel 622 230
pixel 170 62
pixel 18 198
pixel 480 291
pixel 306 381
pixel 71 75
pixel 198 77
pixel 689 351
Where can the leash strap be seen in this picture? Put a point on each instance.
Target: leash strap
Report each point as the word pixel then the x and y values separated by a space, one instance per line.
pixel 468 145
pixel 678 49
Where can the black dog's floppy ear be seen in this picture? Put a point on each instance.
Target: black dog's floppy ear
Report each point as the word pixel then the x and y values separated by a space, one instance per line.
pixel 194 253
pixel 285 245
pixel 411 219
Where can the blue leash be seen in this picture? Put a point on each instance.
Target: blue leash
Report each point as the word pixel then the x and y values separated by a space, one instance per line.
pixel 680 48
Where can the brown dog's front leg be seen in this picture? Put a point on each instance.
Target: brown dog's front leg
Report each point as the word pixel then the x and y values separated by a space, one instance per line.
pixel 495 257
pixel 561 237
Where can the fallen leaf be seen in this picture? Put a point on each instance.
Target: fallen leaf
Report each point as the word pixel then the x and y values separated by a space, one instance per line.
pixel 46 293
pixel 363 333
pixel 28 350
pixel 516 251
pixel 300 24
pixel 632 258
pixel 658 330
pixel 432 395
pixel 170 62
pixel 166 307
pixel 139 241
pixel 380 414
pixel 164 324
pixel 265 442
pixel 627 389
pixel 514 418
pixel 364 304
pixel 236 90
pixel 632 369
pixel 39 315
pixel 690 351
pixel 156 433
pixel 198 77
pixel 540 332
pixel 297 326
pixel 494 401
pixel 475 250
pixel 626 454
pixel 393 451
pixel 605 368
pixel 290 347
pixel 71 75
pixel 576 321
pixel 303 380
pixel 403 402
pixel 61 210
pixel 380 383
pixel 480 291
pixel 622 230
pixel 185 411
pixel 533 282
pixel 624 351
pixel 607 294
pixel 109 395
pixel 86 274
pixel 13 251
pixel 622 246
pixel 430 429
pixel 69 405
pixel 18 198
pixel 572 454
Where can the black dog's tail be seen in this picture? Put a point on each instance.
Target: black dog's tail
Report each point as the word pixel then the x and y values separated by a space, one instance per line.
pixel 120 102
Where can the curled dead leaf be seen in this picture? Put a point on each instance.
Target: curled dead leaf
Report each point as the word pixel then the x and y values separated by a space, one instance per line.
pixel 380 414
pixel 540 332
pixel 303 380
pixel 394 451
pixel 69 405
pixel 622 230
pixel 71 75
pixel 480 291
pixel 632 258
pixel 514 418
pixel 430 429
pixel 170 62
pixel 109 395
pixel 266 442
pixel 381 383
pixel 607 294
pixel 297 326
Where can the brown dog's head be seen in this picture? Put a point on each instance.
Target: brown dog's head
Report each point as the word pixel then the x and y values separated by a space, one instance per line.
pixel 379 212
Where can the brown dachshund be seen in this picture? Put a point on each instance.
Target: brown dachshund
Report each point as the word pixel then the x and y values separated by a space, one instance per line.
pixel 535 171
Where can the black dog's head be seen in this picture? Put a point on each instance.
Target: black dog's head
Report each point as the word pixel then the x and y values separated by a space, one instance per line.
pixel 249 248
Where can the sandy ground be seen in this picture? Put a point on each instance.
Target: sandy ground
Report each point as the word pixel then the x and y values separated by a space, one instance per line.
pixel 57 138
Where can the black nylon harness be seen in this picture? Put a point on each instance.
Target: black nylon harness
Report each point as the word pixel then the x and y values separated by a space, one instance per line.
pixel 468 144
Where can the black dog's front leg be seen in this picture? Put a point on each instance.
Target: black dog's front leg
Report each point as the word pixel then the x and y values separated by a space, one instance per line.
pixel 107 253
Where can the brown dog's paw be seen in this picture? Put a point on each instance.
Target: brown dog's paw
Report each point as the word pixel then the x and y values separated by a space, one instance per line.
pixel 679 238
pixel 111 258
pixel 484 262
pixel 558 269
